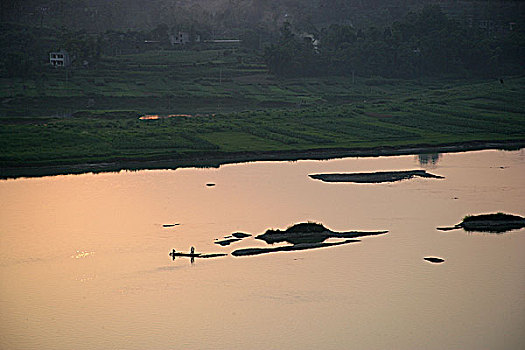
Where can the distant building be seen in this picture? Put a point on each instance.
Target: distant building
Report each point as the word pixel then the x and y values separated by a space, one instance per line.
pixel 180 39
pixel 59 59
pixel 312 39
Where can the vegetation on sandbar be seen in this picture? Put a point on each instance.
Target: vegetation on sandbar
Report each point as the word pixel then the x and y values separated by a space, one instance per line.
pixel 303 236
pixel 494 223
pixel 310 232
pixel 498 217
pixel 289 248
pixel 376 177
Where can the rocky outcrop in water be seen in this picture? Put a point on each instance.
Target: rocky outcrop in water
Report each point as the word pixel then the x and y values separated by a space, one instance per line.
pixel 303 236
pixel 228 241
pixel 377 177
pixel 494 223
pixel 241 235
pixel 235 237
pixel 289 248
pixel 310 233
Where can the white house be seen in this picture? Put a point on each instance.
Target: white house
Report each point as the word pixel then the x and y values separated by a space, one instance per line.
pixel 181 38
pixel 59 59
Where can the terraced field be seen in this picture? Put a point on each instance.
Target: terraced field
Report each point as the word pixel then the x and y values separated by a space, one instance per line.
pixel 236 108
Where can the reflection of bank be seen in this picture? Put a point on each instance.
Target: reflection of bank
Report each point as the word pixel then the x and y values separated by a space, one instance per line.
pixel 428 159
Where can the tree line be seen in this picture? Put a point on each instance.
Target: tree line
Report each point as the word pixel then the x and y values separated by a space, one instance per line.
pixel 426 43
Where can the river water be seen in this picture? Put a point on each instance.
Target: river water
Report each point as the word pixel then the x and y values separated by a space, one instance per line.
pixel 84 259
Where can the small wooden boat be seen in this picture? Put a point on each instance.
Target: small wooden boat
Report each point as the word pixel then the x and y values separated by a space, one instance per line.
pixel 192 254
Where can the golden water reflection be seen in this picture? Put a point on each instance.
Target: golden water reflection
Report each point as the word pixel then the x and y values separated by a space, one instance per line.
pixel 124 291
pixel 157 116
pixel 81 254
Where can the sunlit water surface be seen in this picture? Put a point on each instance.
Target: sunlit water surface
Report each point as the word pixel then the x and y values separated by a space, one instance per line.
pixel 84 259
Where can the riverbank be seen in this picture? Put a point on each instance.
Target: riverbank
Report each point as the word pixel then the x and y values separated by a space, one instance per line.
pixel 216 159
pixel 394 117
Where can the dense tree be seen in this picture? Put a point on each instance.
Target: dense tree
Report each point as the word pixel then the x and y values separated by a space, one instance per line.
pixel 292 55
pixel 427 43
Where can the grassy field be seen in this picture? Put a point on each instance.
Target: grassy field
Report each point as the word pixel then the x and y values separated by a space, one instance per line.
pixel 93 116
pixel 151 82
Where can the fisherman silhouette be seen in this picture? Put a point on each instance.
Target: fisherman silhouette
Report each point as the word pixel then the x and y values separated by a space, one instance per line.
pixel 192 255
pixel 192 252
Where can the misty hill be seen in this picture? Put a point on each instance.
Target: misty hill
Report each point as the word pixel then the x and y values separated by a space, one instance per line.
pixel 226 16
